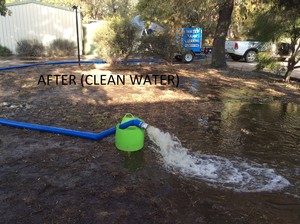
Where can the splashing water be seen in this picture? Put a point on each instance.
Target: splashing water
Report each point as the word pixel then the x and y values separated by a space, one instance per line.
pixel 237 175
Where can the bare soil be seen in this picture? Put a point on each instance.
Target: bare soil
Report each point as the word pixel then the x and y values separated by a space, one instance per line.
pixel 50 178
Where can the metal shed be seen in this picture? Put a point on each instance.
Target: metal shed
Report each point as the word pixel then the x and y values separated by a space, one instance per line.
pixel 38 20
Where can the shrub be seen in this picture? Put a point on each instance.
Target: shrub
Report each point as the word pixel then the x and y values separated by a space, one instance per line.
pixel 116 39
pixel 4 51
pixel 62 47
pixel 265 60
pixel 30 48
pixel 163 44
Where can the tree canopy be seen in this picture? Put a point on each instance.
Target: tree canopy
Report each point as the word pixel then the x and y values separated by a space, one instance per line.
pixel 98 9
pixel 279 21
pixel 176 14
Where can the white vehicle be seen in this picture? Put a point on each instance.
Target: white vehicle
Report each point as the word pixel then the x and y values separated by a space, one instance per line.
pixel 244 49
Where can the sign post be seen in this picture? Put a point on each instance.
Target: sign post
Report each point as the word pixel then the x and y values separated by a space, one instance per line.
pixel 77 31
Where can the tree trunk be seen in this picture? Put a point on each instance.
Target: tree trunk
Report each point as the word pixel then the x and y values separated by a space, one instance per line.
pixel 287 76
pixel 290 68
pixel 293 60
pixel 224 21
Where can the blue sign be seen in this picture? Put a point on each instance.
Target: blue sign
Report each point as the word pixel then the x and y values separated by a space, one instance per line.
pixel 192 38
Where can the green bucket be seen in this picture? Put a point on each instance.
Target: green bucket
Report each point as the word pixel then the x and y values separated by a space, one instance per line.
pixel 129 139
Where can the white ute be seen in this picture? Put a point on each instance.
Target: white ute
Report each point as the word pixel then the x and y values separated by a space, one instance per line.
pixel 243 49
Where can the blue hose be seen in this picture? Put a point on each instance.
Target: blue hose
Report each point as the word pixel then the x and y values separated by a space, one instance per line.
pixel 52 63
pixel 74 62
pixel 86 135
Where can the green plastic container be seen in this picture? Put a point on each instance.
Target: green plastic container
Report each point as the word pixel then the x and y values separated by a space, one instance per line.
pixel 129 139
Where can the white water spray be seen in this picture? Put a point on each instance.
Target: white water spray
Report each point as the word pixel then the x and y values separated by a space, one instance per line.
pixel 216 170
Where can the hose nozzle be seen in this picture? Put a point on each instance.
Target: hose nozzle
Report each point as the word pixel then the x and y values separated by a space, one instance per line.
pixel 134 122
pixel 144 125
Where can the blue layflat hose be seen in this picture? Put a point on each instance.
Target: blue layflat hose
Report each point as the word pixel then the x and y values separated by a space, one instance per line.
pixel 86 135
pixel 75 62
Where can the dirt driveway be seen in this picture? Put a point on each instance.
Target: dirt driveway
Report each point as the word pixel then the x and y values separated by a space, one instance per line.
pixel 243 66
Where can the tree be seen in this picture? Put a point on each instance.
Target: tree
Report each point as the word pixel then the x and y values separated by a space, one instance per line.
pixel 280 20
pixel 290 10
pixel 224 21
pixel 3 9
pixel 175 14
pixel 117 39
pixel 242 11
pixel 98 9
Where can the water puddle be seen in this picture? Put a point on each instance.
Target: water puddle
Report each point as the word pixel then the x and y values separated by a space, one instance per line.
pixel 238 174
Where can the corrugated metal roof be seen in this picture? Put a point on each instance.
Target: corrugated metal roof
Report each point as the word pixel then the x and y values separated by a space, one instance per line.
pixel 37 2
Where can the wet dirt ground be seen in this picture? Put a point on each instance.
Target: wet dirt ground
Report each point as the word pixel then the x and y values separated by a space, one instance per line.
pixel 51 178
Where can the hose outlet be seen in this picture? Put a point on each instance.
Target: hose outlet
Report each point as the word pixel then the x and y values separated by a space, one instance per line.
pixel 144 125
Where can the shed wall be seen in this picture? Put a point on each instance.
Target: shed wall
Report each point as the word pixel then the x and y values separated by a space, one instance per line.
pixel 34 21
